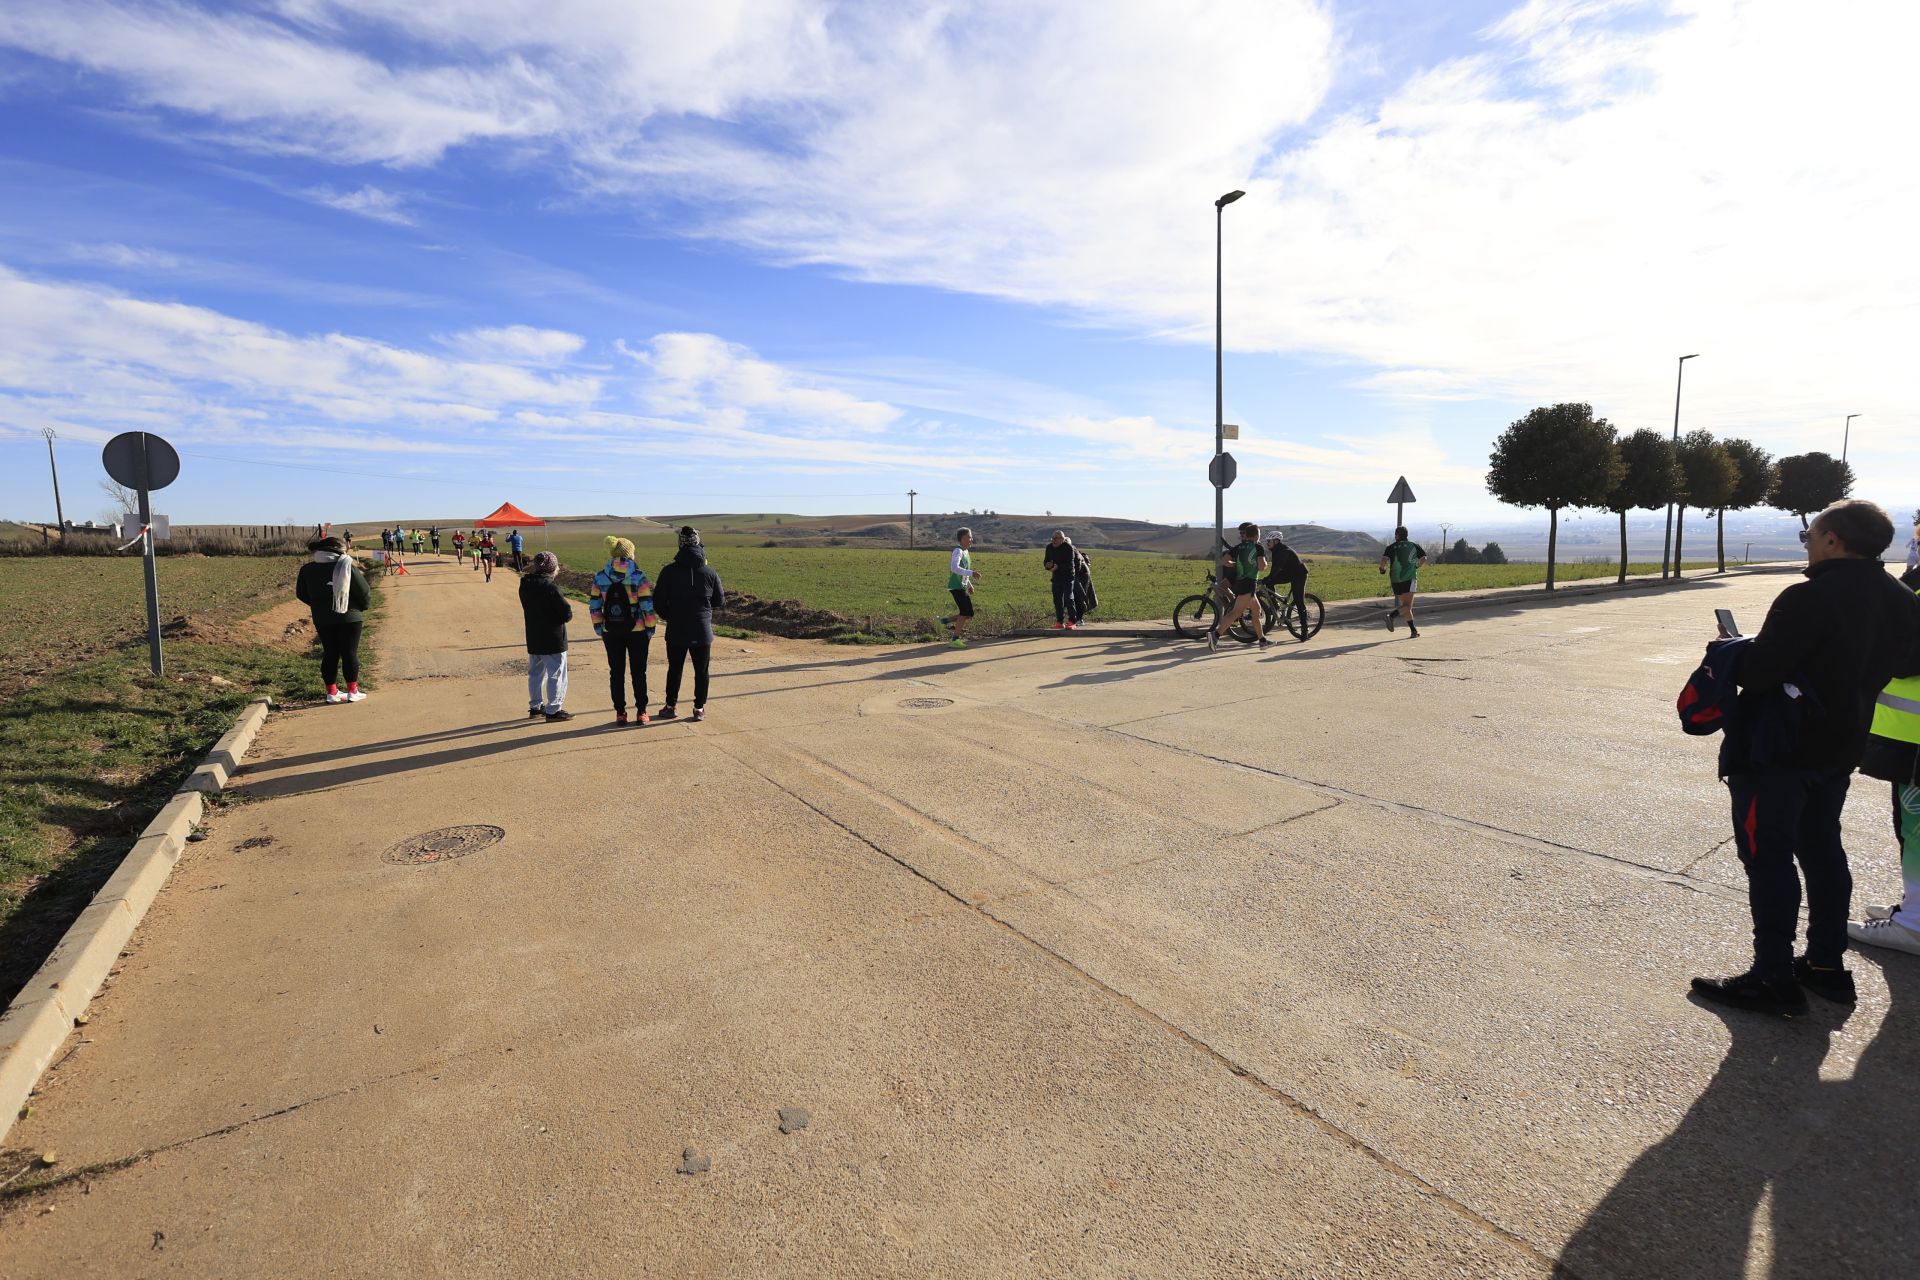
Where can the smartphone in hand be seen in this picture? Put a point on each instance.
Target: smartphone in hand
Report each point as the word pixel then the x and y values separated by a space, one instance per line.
pixel 1729 629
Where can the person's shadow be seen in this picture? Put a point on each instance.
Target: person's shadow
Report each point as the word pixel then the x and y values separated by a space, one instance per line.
pixel 1841 1159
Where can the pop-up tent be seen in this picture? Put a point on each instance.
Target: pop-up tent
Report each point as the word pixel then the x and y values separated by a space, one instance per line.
pixel 509 517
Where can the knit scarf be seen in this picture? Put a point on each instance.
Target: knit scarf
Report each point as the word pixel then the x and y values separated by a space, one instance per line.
pixel 342 576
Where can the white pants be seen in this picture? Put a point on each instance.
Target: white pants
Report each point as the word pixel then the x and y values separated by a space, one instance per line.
pixel 546 681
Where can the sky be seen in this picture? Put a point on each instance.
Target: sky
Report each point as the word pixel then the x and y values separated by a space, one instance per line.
pixel 360 259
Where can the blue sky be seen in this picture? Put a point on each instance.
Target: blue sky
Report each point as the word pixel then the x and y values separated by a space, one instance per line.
pixel 361 258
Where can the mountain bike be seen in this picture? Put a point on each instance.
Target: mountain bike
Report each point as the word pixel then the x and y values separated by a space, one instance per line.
pixel 1195 616
pixel 1303 620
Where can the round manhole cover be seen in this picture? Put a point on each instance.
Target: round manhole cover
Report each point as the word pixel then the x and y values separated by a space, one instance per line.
pixel 445 844
pixel 926 704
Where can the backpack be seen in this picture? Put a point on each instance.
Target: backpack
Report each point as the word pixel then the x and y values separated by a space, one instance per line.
pixel 616 607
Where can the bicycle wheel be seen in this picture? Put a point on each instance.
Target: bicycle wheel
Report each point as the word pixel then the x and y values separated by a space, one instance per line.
pixel 1305 620
pixel 1193 616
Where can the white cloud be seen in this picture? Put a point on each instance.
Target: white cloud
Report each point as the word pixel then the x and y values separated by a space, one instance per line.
pixel 698 374
pixel 366 202
pixel 516 344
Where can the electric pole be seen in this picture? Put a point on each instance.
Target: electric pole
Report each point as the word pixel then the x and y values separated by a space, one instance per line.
pixel 59 513
pixel 911 495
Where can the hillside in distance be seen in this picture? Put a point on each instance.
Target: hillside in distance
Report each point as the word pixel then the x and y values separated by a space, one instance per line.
pixel 1000 531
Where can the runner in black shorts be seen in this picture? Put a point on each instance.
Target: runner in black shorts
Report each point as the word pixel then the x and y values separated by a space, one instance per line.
pixel 1403 557
pixel 1242 565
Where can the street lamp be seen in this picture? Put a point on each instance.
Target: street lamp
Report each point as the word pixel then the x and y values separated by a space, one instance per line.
pixel 1219 387
pixel 1845 433
pixel 1666 541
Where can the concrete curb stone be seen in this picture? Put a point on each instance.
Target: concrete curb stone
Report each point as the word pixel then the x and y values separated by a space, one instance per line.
pixel 38 1021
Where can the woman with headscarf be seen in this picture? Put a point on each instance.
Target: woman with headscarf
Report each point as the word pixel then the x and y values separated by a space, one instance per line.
pixel 333 588
pixel 621 605
pixel 685 597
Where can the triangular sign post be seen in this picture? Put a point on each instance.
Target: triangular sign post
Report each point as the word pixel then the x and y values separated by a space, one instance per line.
pixel 1402 494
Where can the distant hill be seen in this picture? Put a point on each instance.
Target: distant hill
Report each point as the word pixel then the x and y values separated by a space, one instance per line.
pixel 998 531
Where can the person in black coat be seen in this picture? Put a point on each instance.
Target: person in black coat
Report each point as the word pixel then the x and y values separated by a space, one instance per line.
pixel 1059 561
pixel 336 592
pixel 1830 644
pixel 684 596
pixel 547 613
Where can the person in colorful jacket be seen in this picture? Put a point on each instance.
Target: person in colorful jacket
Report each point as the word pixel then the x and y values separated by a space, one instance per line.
pixel 1893 756
pixel 621 605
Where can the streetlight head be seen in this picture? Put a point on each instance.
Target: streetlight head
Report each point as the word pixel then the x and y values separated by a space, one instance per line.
pixel 1227 199
pixel 1694 356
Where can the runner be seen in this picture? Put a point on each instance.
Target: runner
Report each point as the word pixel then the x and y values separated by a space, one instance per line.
pixel 621 604
pixel 1404 559
pixel 1059 561
pixel 1241 565
pixel 459 547
pixel 960 579
pixel 434 534
pixel 487 553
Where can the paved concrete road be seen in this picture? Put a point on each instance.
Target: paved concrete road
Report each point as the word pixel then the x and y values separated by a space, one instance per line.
pixel 1086 958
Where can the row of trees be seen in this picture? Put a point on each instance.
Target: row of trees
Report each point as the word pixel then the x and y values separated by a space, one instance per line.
pixel 1562 456
pixel 1463 552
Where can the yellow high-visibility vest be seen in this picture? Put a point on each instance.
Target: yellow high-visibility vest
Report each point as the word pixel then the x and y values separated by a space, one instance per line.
pixel 1896 712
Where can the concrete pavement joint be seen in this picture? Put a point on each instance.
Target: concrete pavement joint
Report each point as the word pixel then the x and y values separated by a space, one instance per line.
pixel 1401 1172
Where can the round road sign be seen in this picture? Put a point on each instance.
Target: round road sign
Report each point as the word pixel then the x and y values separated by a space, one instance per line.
pixel 141 461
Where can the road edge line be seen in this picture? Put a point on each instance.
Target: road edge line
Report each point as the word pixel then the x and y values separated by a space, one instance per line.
pixel 49 1006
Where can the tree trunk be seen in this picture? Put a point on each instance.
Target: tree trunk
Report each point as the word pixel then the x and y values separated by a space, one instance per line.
pixel 1720 548
pixel 1623 546
pixel 1553 541
pixel 1679 533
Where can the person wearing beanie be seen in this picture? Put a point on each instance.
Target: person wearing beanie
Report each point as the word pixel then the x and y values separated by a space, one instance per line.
pixel 621 605
pixel 333 588
pixel 685 596
pixel 547 614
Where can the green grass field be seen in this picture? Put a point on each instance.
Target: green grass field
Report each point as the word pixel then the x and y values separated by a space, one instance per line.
pixel 858 581
pixel 91 743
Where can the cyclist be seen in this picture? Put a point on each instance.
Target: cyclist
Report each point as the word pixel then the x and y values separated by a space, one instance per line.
pixel 1283 565
pixel 1404 557
pixel 1242 564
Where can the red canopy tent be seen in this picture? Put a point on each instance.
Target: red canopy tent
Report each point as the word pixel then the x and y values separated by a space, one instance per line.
pixel 509 517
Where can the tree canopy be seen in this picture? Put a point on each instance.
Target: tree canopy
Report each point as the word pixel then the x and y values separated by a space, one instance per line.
pixel 1809 482
pixel 1557 456
pixel 1649 475
pixel 1755 466
pixel 1708 471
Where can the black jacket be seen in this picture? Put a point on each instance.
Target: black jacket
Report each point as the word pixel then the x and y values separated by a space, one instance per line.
pixel 547 612
pixel 685 595
pixel 1060 559
pixel 314 588
pixel 1285 565
pixel 1839 636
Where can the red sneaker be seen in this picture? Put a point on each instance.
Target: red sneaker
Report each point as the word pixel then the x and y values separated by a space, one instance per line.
pixel 1059 626
pixel 620 717
pixel 643 718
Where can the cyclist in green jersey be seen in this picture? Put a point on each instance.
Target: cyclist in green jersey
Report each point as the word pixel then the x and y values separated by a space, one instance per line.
pixel 1242 566
pixel 1403 558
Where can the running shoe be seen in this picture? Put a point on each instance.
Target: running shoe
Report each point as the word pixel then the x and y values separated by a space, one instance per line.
pixel 1391 617
pixel 554 717
pixel 956 643
pixel 1213 639
pixel 619 717
pixel 667 712
pixel 354 695
pixel 336 696
pixel 534 713
pixel 642 718
pixel 699 714
pixel 1885 933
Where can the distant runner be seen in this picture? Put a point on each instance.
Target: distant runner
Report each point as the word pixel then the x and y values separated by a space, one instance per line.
pixel 434 534
pixel 487 552
pixel 459 547
pixel 1402 559
pixel 1242 565
pixel 960 579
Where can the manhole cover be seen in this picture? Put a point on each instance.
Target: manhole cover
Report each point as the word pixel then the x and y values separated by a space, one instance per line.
pixel 445 844
pixel 926 704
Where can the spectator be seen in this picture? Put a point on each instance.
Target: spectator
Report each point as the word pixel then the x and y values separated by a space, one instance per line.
pixel 685 597
pixel 515 543
pixel 1284 566
pixel 1893 756
pixel 1086 599
pixel 621 603
pixel 1828 647
pixel 1405 559
pixel 1059 561
pixel 961 576
pixel 336 592
pixel 547 614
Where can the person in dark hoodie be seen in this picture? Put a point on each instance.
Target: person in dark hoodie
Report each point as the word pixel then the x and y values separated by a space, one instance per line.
pixel 547 614
pixel 332 586
pixel 1893 756
pixel 684 597
pixel 1830 644
pixel 1059 561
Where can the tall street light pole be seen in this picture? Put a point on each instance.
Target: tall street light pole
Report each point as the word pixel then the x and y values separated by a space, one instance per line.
pixel 911 495
pixel 59 514
pixel 1666 541
pixel 1219 385
pixel 1846 432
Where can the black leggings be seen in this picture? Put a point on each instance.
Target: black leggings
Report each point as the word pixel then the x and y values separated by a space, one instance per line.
pixel 628 650
pixel 677 650
pixel 339 648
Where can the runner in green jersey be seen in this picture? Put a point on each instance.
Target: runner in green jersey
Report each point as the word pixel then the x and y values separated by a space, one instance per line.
pixel 1403 559
pixel 960 577
pixel 1242 566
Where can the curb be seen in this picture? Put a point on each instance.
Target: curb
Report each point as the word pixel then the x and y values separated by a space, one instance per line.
pixel 36 1024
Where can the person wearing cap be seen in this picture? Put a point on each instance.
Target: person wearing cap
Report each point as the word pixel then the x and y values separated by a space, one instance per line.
pixel 547 613
pixel 336 592
pixel 621 604
pixel 1285 567
pixel 685 596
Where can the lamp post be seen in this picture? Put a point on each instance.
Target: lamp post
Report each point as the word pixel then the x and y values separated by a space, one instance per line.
pixel 911 495
pixel 1846 432
pixel 1666 541
pixel 1219 386
pixel 59 514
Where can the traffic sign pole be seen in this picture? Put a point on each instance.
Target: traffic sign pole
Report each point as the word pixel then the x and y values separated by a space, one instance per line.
pixel 145 462
pixel 154 657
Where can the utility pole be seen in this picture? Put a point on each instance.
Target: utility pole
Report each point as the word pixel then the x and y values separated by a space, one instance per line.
pixel 911 495
pixel 1846 434
pixel 1444 544
pixel 59 513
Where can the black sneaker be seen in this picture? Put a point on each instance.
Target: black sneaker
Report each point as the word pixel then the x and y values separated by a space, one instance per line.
pixel 553 716
pixel 1745 991
pixel 1391 616
pixel 1413 631
pixel 534 713
pixel 1836 984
